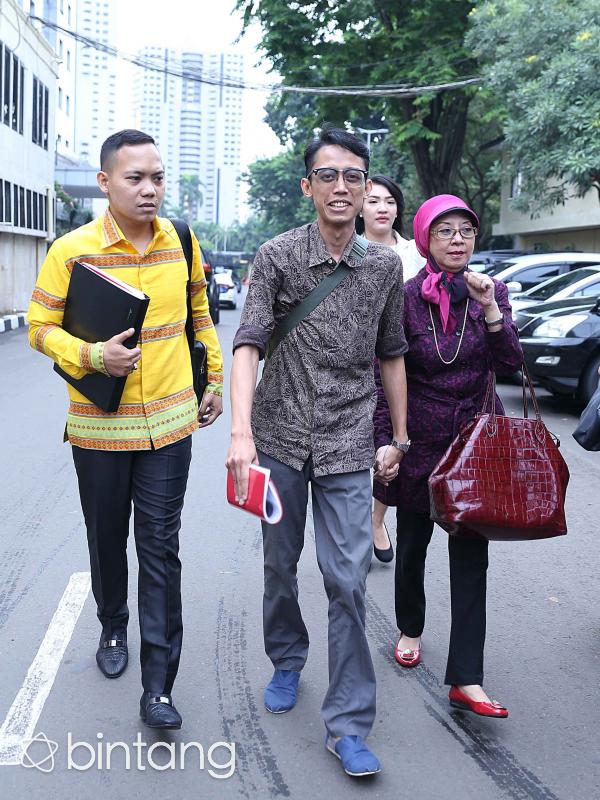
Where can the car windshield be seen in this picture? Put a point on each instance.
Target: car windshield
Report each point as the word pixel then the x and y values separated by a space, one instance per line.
pixel 557 284
pixel 497 266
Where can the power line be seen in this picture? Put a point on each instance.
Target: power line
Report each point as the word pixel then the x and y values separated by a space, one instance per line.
pixel 198 76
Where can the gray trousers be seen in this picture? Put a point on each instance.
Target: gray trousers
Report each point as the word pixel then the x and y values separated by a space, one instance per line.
pixel 344 544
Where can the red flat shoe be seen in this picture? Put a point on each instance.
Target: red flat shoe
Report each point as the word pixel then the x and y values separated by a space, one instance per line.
pixel 459 699
pixel 408 657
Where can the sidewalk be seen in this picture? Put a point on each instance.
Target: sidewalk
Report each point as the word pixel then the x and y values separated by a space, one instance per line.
pixel 11 322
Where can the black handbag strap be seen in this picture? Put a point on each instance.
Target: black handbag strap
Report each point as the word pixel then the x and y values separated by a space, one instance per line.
pixel 185 237
pixel 314 298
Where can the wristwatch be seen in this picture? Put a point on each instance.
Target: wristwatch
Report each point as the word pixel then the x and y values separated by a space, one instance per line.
pixel 402 446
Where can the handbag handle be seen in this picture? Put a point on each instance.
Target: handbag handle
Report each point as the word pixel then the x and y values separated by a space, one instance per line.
pixel 534 400
pixel 490 395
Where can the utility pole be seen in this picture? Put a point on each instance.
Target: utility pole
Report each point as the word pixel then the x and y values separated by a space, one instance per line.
pixel 371 132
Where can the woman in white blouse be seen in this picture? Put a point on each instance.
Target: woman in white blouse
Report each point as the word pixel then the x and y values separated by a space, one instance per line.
pixel 381 221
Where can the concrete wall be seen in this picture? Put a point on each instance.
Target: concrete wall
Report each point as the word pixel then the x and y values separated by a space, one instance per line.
pixel 574 225
pixel 20 259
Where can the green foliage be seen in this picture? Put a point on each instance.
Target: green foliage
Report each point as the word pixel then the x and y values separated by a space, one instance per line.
pixel 242 237
pixel 360 42
pixel 274 191
pixel 542 60
pixel 69 213
pixel 438 142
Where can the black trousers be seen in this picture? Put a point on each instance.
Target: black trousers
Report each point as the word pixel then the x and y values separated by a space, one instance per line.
pixel 468 583
pixel 155 482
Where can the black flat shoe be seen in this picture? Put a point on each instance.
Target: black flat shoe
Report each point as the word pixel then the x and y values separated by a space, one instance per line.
pixel 158 711
pixel 386 555
pixel 112 654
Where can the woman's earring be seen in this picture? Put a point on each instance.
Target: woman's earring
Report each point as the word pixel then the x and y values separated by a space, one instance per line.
pixel 360 215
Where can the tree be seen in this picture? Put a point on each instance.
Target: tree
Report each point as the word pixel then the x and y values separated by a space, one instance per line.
pixel 360 42
pixel 274 191
pixel 542 60
pixel 190 196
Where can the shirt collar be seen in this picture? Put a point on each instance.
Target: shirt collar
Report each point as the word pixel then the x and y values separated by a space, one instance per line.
pixel 113 234
pixel 318 253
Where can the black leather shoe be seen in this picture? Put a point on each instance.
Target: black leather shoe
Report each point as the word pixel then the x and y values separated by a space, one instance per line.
pixel 112 654
pixel 158 711
pixel 386 555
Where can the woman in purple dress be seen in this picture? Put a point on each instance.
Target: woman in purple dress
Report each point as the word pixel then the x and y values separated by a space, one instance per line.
pixel 459 326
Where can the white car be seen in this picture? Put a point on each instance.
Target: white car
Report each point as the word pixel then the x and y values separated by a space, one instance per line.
pixel 227 290
pixel 582 282
pixel 524 272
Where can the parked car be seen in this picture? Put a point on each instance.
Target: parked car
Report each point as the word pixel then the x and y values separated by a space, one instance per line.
pixel 524 272
pixel 484 260
pixel 561 344
pixel 582 282
pixel 212 290
pixel 227 290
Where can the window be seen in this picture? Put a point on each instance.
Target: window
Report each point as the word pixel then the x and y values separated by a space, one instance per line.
pixel 6 98
pixel 69 14
pixel 68 106
pixel 60 95
pixel 69 60
pixel 7 202
pixel 533 275
pixel 39 117
pixel 29 215
pixel 61 49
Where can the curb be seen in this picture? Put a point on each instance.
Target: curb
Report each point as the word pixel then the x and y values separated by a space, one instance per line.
pixel 12 321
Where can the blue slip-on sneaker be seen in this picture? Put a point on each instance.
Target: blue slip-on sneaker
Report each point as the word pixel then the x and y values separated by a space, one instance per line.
pixel 281 693
pixel 357 760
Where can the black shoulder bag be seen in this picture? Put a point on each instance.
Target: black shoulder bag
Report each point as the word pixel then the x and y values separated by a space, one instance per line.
pixel 198 351
pixel 322 290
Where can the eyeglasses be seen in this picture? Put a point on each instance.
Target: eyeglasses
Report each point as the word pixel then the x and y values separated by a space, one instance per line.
pixel 446 232
pixel 351 175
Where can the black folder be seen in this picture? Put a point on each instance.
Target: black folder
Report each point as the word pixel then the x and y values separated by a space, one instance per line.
pixel 98 306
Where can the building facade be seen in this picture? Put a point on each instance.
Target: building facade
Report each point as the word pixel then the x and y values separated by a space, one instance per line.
pixel 572 226
pixel 28 77
pixel 96 78
pixel 197 126
pixel 157 101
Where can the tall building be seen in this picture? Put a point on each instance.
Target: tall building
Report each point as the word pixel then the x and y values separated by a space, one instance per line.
pixel 157 100
pixel 197 125
pixel 96 79
pixel 28 74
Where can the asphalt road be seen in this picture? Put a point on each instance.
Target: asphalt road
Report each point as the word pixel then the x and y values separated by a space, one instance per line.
pixel 542 652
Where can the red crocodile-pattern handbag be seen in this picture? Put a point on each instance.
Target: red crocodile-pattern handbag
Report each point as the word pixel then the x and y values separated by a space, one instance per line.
pixel 502 477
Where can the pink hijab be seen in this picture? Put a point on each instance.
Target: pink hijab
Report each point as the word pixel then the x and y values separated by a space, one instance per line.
pixel 440 287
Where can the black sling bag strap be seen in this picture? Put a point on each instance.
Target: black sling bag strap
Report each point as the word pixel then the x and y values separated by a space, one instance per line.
pixel 322 290
pixel 198 352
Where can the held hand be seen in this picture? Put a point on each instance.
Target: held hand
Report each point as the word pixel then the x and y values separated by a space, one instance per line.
pixel 242 453
pixel 211 407
pixel 387 464
pixel 481 288
pixel 119 360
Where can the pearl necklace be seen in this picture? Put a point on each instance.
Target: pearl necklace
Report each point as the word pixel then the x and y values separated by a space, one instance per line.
pixel 462 333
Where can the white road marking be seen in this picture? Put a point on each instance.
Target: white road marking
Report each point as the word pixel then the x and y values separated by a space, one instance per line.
pixel 27 706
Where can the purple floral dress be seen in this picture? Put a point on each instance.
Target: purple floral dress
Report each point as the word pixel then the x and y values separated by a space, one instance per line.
pixel 441 398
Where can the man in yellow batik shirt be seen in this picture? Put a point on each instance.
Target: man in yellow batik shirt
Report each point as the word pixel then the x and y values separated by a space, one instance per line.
pixel 141 453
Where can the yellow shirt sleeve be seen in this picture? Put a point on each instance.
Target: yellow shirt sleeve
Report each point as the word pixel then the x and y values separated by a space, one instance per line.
pixel 45 316
pixel 203 324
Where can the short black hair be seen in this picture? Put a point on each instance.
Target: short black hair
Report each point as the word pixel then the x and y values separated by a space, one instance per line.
pixel 332 135
pixel 118 140
pixel 396 193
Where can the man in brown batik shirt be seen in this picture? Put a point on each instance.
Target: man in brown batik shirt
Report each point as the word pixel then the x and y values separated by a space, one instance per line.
pixel 310 421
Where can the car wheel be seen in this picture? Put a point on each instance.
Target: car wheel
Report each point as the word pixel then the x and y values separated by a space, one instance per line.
pixel 589 381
